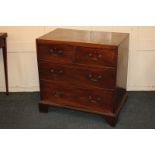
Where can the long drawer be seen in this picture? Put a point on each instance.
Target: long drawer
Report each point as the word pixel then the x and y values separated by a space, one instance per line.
pixel 91 99
pixel 84 76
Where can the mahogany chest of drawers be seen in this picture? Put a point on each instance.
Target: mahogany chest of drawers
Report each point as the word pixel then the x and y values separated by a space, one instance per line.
pixel 83 70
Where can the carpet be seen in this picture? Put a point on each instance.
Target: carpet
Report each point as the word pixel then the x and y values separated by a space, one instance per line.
pixel 20 111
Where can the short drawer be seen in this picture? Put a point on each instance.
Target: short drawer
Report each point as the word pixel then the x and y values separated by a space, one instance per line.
pixel 96 57
pixel 92 99
pixel 84 76
pixel 55 53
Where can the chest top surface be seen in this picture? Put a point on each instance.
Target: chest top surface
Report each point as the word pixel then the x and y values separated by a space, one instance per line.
pixel 83 36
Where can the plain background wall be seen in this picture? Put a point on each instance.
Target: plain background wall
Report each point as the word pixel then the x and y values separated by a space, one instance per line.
pixel 22 62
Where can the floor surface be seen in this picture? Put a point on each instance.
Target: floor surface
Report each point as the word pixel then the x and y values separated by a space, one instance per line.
pixel 20 111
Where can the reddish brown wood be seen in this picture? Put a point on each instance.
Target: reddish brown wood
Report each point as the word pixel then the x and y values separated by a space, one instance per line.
pixel 87 76
pixel 110 40
pixel 3 45
pixel 43 108
pixel 55 52
pixel 96 57
pixel 112 120
pixel 86 71
pixel 91 99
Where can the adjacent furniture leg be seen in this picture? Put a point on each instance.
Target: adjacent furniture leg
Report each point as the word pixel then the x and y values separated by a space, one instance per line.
pixel 111 120
pixel 43 108
pixel 5 67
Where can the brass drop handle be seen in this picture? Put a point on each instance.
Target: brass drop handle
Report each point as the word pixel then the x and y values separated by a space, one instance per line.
pixel 52 50
pixel 92 100
pixel 58 94
pixel 90 54
pixel 56 51
pixel 94 79
pixel 52 71
pixel 96 58
pixel 56 71
pixel 60 71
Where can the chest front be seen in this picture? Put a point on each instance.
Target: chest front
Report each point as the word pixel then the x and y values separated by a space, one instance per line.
pixel 81 75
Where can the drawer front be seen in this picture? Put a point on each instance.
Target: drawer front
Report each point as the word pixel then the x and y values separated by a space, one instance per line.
pixel 92 99
pixel 96 57
pixel 55 53
pixel 102 78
